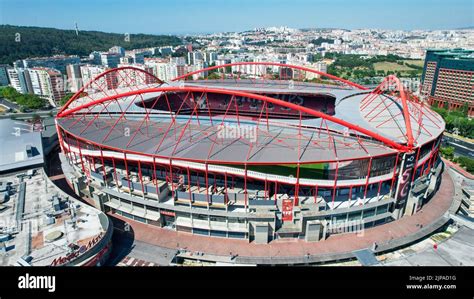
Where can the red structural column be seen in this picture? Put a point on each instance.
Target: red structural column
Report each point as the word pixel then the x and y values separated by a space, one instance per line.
pixel 432 155
pixel 416 164
pixel 126 172
pixel 226 198
pixel 316 194
pixel 80 155
pixel 115 173
pixel 214 186
pixel 171 179
pixel 189 186
pixel 350 194
pixel 140 177
pixel 69 152
pixel 394 173
pixel 335 184
pixel 276 191
pixel 245 187
pixel 297 186
pixel 207 184
pixel 368 177
pixel 265 189
pixel 197 182
pixel 155 179
pixel 93 163
pixel 103 166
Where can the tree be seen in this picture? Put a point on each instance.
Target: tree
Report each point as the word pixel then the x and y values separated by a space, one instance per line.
pixel 465 109
pixel 36 41
pixel 26 101
pixel 9 92
pixel 447 152
pixel 467 163
pixel 213 76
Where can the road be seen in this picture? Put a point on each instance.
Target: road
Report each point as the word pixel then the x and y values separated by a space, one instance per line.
pixel 461 147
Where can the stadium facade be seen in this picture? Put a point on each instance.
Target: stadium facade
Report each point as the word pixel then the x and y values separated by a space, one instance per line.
pixel 258 152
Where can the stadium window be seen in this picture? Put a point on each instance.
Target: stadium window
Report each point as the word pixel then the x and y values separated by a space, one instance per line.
pixel 199 231
pixel 236 235
pixel 218 233
pixel 217 218
pixel 150 208
pixel 182 214
pixel 382 209
pixel 184 229
pixel 369 213
pixel 138 205
pixel 124 214
pixel 141 219
pixel 354 216
pixel 200 216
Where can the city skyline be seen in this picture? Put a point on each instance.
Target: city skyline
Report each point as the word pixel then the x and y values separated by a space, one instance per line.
pixel 211 16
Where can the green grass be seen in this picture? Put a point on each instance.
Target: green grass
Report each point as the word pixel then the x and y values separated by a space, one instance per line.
pixel 419 62
pixel 310 171
pixel 391 67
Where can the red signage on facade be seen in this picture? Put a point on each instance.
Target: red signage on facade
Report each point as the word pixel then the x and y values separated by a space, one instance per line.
pixel 75 254
pixel 287 210
pixel 167 213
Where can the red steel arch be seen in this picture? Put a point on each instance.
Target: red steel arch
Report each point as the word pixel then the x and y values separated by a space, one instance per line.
pixel 393 84
pixel 386 141
pixel 96 79
pixel 302 68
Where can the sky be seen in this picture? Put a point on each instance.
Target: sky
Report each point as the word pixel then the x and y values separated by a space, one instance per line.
pixel 209 16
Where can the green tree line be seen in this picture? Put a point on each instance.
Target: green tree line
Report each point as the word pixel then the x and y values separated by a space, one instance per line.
pixel 29 101
pixel 465 162
pixel 20 42
pixel 349 66
pixel 457 121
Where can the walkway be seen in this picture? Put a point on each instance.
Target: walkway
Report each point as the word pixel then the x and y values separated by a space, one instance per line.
pixel 459 169
pixel 339 246
pixel 455 251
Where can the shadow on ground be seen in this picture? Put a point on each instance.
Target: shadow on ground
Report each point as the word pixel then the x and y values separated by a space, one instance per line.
pixel 122 241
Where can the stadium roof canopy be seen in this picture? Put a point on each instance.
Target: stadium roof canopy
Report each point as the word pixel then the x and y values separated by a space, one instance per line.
pixel 365 123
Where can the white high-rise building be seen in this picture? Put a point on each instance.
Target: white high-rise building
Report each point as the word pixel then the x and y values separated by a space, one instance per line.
pixel 194 57
pixel 74 77
pixel 118 50
pixel 210 57
pixel 47 83
pixel 89 72
pixel 166 71
pixel 17 79
pixel 178 60
pixel 132 77
pixel 110 60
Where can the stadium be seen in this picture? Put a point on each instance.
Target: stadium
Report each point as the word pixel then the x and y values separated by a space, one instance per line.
pixel 251 150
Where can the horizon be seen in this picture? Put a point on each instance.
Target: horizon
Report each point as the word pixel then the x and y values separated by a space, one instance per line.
pixel 249 29
pixel 235 16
